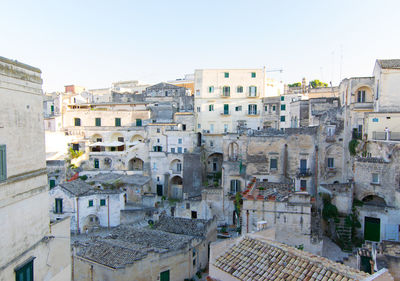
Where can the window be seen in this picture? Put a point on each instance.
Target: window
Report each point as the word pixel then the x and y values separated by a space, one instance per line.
pixel 266 108
pixel 52 183
pixel 121 139
pixel 158 130
pixel 96 163
pixel 98 122
pixel 330 131
pixel 158 140
pixel 183 127
pixel 211 89
pixel 90 203
pixel 282 98
pixel 194 215
pixel 226 74
pixel 211 128
pixel 235 186
pixel 226 109
pixel 179 141
pixel 25 271
pixel 283 118
pixel 58 206
pixel 252 91
pixel 52 108
pixel 252 109
pixel 157 148
pixel 273 164
pixel 273 107
pixel 283 107
pixel 375 178
pixel 199 126
pixel 185 150
pixel 238 108
pixel 211 143
pixel 253 75
pixel 197 92
pixel 102 202
pixel 239 89
pixel 117 122
pixel 303 165
pixel 3 162
pixel 187 206
pixel 331 163
pixel 303 185
pixel 179 167
pixel 172 149
pixel 211 107
pixel 77 121
pixel 226 91
pixel 225 128
pixel 139 122
pixel 194 257
pixel 179 149
pixel 361 96
pixel 198 109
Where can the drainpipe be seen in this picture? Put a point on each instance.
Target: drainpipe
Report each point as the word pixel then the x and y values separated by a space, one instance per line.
pixel 77 214
pixel 316 172
pixel 108 210
pixel 285 161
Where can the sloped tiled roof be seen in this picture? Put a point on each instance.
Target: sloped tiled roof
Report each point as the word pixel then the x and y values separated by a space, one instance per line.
pixel 126 244
pixel 80 188
pixel 252 259
pixel 393 63
pixel 193 227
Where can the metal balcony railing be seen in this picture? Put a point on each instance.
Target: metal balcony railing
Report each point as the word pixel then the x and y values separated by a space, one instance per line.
pixel 304 172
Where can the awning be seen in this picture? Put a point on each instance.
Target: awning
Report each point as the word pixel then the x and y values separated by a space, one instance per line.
pixel 113 143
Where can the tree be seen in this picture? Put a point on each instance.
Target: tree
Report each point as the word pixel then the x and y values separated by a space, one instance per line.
pixel 316 83
pixel 297 84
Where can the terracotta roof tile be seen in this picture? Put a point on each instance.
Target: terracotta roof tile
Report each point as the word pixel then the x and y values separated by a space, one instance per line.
pixel 253 259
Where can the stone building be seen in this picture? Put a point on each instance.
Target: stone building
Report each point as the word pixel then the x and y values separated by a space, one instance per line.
pixel 32 246
pixel 88 207
pixel 174 250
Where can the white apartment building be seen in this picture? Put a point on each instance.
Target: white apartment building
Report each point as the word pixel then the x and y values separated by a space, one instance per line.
pixel 226 98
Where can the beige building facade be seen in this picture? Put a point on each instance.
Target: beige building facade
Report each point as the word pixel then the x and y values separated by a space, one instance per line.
pixel 28 239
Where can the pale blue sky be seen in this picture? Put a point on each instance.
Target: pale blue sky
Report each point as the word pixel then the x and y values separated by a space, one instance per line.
pixel 93 43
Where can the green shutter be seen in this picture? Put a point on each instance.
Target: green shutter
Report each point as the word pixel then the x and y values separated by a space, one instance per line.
pixel 139 122
pixel 96 163
pixel 226 109
pixel 98 122
pixel 52 183
pixel 102 202
pixel 283 107
pixel 3 163
pixel 77 121
pixel 117 122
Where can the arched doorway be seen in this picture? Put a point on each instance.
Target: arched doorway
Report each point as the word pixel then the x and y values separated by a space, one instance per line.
pixel 135 164
pixel 374 200
pixel 233 151
pixel 176 187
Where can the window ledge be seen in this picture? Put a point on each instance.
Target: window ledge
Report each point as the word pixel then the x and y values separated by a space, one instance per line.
pixel 375 183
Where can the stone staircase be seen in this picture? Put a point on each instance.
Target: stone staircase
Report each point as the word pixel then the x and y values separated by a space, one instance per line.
pixel 344 235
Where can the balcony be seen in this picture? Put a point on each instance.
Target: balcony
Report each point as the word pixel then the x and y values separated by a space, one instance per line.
pixel 304 172
pixel 363 105
pixel 252 95
pixel 330 139
pixel 388 136
pixel 253 112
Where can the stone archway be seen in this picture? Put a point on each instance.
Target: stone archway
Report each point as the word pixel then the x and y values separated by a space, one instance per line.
pixel 135 164
pixel 176 188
